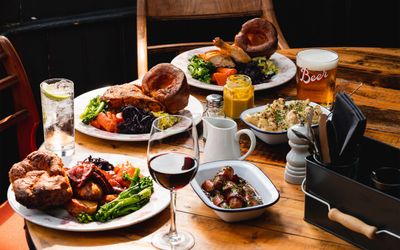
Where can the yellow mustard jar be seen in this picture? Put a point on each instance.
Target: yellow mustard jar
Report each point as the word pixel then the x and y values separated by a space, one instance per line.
pixel 238 95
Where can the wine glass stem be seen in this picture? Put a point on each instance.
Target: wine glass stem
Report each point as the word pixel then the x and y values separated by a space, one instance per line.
pixel 172 230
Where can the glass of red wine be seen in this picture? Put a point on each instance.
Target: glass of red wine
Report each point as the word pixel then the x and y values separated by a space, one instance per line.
pixel 173 159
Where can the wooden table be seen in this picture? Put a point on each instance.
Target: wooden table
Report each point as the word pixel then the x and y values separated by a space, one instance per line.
pixel 282 225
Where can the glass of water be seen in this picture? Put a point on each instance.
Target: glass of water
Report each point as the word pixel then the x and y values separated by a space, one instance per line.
pixel 57 97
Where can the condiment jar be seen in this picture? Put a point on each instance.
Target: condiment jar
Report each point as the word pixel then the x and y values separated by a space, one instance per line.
pixel 214 108
pixel 238 95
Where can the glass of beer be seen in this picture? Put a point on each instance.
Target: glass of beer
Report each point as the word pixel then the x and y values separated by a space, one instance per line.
pixel 316 75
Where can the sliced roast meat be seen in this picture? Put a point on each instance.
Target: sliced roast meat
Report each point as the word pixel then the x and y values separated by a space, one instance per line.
pixel 80 173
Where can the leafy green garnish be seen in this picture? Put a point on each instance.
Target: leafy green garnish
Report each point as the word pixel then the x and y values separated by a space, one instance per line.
pixel 95 106
pixel 200 69
pixel 84 218
pixel 267 66
pixel 279 117
pixel 133 179
pixel 166 121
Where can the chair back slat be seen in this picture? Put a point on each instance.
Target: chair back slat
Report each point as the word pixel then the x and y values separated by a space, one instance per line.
pixel 165 48
pixel 13 119
pixel 25 116
pixel 204 9
pixel 8 81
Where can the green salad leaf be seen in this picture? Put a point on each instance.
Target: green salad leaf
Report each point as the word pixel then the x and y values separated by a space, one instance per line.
pixel 267 66
pixel 200 69
pixel 95 106
pixel 167 120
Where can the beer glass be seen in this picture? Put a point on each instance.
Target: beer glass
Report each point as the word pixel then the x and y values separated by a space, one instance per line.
pixel 57 96
pixel 316 75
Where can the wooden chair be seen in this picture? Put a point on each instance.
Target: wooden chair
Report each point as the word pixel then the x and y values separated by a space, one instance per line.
pixel 26 117
pixel 164 10
pixel 26 120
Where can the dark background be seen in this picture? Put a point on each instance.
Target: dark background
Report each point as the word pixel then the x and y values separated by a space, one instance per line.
pixel 93 42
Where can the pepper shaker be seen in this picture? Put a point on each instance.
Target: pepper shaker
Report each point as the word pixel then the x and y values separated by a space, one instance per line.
pixel 295 169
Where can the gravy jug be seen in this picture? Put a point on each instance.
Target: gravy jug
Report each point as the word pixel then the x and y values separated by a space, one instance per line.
pixel 223 140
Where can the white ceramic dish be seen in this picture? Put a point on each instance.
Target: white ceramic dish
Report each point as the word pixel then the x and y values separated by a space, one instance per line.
pixel 271 137
pixel 193 109
pixel 287 70
pixel 249 172
pixel 60 219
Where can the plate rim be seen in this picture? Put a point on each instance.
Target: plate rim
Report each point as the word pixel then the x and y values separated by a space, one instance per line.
pixel 94 226
pixel 81 127
pixel 262 86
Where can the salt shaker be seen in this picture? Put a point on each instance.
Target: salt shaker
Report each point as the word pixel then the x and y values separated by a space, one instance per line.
pixel 214 108
pixel 295 170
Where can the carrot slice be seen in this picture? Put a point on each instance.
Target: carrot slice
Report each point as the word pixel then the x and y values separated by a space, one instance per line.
pixel 220 78
pixel 107 122
pixel 227 71
pixel 95 123
pixel 222 74
pixel 127 168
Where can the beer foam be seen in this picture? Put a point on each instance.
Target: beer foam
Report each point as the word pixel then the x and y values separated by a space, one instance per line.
pixel 317 59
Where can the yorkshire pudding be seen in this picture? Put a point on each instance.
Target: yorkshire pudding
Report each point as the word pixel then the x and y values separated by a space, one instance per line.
pixel 258 37
pixel 168 85
pixel 40 181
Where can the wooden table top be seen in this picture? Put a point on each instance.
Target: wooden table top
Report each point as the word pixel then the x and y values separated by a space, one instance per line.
pixel 282 225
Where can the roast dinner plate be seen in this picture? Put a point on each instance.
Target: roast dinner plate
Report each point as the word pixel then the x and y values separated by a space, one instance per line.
pixel 287 70
pixel 59 218
pixel 193 109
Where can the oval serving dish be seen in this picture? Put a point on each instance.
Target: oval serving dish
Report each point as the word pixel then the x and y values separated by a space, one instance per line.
pixel 272 137
pixel 249 172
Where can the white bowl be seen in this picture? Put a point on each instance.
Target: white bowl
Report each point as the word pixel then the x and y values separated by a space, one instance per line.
pixel 249 172
pixel 271 137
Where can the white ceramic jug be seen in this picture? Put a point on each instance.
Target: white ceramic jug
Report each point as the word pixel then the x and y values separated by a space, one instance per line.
pixel 223 140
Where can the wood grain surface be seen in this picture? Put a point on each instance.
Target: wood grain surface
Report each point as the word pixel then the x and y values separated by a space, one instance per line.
pixel 282 225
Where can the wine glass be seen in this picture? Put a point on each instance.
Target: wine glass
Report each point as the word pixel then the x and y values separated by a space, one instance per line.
pixel 173 159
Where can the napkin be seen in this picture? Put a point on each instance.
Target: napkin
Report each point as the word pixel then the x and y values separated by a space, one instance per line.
pixel 349 124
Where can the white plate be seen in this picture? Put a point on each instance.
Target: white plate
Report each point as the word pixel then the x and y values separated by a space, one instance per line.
pixel 59 218
pixel 287 70
pixel 194 109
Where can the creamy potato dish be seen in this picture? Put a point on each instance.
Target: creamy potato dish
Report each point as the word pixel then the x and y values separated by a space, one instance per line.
pixel 281 115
